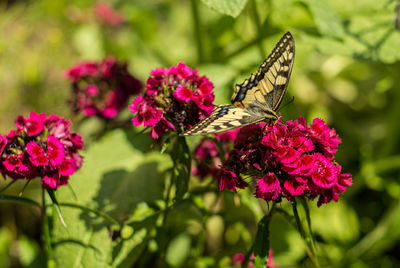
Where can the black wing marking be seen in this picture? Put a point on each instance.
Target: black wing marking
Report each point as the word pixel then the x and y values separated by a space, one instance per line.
pixel 223 118
pixel 269 84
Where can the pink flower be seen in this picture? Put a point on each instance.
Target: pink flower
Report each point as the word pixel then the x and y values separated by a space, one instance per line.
pixel 32 125
pixel 148 116
pixel 51 154
pixel 161 127
pixel 268 187
pixel 290 159
pixel 76 141
pixel 227 180
pixel 92 90
pixel 326 138
pixel 55 151
pixel 207 154
pixel 3 143
pixel 101 89
pixel 12 162
pixel 324 174
pixel 176 98
pixel 239 258
pixel 67 167
pixel 36 154
pixel 183 94
pixel 107 15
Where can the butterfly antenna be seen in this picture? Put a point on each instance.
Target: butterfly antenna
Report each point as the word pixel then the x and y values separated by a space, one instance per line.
pixel 286 104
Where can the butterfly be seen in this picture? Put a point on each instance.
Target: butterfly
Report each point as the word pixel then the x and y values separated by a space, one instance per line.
pixel 257 98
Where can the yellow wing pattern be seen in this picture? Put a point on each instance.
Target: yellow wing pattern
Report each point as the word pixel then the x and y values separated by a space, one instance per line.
pixel 269 83
pixel 257 98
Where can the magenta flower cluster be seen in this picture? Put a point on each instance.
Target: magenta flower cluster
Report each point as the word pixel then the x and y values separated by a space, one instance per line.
pixel 101 89
pixel 207 155
pixel 41 146
pixel 288 160
pixel 238 259
pixel 176 98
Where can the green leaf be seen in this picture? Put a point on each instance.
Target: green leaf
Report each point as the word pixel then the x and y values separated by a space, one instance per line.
pixel 327 20
pixel 364 38
pixel 55 203
pixel 182 164
pixel 18 199
pixel 228 7
pixel 261 243
pixel 115 177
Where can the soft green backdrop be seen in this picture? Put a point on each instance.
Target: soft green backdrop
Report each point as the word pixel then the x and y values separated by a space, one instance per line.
pixel 346 71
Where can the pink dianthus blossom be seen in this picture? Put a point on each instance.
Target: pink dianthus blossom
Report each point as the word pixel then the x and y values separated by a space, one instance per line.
pixel 42 147
pixel 107 15
pixel 176 98
pixel 101 89
pixel 207 155
pixel 238 259
pixel 287 160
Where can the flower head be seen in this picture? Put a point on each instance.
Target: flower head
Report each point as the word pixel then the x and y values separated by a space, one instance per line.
pixel 107 15
pixel 207 155
pixel 288 160
pixel 101 89
pixel 41 146
pixel 238 259
pixel 176 98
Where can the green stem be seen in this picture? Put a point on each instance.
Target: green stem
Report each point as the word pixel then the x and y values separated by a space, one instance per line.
pixel 298 222
pixel 163 231
pixel 97 212
pixel 16 199
pixel 312 238
pixel 220 148
pixel 23 189
pixel 46 233
pixel 197 30
pixel 256 20
pixel 309 246
pixel 8 185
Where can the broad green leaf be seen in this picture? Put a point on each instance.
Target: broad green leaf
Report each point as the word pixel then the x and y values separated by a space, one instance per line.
pixel 228 7
pixel 114 178
pixel 365 38
pixel 326 19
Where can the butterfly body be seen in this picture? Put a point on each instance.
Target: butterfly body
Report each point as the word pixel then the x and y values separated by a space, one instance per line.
pixel 257 98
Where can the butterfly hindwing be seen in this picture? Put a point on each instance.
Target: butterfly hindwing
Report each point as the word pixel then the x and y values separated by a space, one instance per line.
pixel 258 97
pixel 223 118
pixel 269 83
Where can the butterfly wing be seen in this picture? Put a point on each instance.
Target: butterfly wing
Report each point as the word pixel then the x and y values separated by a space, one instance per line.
pixel 269 83
pixel 257 98
pixel 223 118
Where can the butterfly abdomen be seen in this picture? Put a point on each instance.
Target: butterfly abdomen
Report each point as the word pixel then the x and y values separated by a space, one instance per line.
pixel 259 109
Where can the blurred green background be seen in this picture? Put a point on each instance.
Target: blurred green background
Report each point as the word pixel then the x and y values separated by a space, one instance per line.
pixel 346 71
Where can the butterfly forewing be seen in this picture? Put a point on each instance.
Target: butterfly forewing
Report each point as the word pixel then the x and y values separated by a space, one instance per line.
pixel 269 83
pixel 223 118
pixel 257 98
